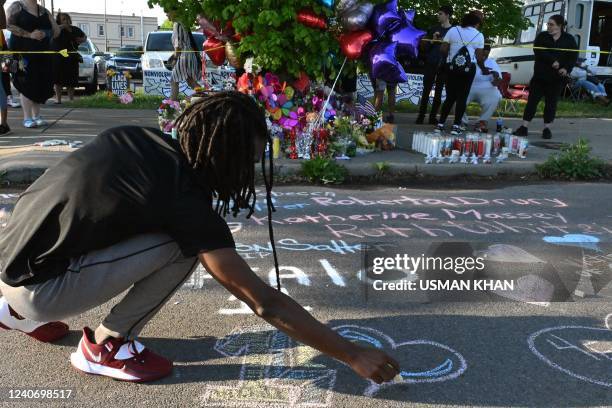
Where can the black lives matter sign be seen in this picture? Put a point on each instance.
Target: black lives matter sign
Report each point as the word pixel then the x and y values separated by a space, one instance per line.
pixel 119 84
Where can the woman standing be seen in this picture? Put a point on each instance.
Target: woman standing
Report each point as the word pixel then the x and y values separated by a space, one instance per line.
pixel 553 64
pixel 32 28
pixel 465 49
pixel 186 65
pixel 66 70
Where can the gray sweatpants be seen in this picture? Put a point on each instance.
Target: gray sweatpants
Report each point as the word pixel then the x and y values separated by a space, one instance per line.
pixel 151 266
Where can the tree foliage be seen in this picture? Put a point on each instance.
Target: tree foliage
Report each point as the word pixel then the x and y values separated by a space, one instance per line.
pixel 271 34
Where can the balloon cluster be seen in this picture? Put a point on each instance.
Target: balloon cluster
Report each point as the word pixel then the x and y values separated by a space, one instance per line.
pixel 389 32
pixel 221 44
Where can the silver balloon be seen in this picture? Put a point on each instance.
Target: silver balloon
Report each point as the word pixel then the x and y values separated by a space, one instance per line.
pixel 357 19
pixel 345 5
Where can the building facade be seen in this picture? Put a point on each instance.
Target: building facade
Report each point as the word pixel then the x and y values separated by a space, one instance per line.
pixel 117 31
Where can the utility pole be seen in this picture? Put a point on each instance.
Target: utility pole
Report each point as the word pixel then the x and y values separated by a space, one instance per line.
pixel 141 28
pixel 52 11
pixel 121 29
pixel 105 29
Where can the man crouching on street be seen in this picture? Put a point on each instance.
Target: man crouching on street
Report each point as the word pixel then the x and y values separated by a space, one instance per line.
pixel 133 210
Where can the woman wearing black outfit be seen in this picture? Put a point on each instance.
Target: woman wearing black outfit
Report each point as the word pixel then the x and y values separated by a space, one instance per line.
pixel 434 75
pixel 66 70
pixel 553 64
pixel 465 46
pixel 32 28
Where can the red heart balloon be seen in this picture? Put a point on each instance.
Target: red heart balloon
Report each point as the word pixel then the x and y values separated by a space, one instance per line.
pixel 352 44
pixel 215 49
pixel 310 19
pixel 302 83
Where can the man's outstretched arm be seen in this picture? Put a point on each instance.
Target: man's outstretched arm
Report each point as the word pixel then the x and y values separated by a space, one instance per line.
pixel 282 312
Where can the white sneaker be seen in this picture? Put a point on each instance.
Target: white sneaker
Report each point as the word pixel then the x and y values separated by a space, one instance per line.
pixel 40 122
pixel 41 331
pixel 13 103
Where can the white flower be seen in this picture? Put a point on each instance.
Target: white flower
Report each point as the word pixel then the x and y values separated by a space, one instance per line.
pixel 248 65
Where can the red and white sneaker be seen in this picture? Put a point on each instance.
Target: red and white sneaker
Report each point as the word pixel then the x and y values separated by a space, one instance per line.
pixel 119 359
pixel 41 331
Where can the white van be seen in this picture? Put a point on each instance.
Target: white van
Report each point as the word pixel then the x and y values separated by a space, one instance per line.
pixel 156 75
pixel 589 21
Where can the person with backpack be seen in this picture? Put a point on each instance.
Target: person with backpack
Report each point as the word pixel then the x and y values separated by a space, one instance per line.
pixel 186 66
pixel 464 47
pixel 434 74
pixel 553 64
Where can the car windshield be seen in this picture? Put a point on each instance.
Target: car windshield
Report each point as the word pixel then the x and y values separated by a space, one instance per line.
pixel 130 52
pixel 163 41
pixel 85 48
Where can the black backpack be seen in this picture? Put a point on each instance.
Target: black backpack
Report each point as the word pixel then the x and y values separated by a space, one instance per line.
pixel 461 63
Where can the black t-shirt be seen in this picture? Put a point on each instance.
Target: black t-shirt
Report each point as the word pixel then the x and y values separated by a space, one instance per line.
pixel 433 55
pixel 127 181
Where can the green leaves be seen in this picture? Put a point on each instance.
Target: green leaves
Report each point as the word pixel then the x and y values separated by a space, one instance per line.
pixel 573 163
pixel 279 43
pixel 322 170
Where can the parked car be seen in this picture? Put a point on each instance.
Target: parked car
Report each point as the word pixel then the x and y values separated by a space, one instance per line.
pixel 127 59
pixel 92 71
pixel 157 72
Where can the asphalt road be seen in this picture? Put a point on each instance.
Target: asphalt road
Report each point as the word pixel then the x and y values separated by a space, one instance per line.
pixel 544 343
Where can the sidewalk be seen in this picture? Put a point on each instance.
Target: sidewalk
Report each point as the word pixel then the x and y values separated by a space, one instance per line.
pixel 22 162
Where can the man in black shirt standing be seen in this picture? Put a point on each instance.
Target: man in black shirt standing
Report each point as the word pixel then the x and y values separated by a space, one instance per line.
pixel 434 67
pixel 554 61
pixel 134 211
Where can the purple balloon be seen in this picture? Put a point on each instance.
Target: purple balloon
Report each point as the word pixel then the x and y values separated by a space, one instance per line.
pixel 408 16
pixel 407 37
pixel 384 64
pixel 385 18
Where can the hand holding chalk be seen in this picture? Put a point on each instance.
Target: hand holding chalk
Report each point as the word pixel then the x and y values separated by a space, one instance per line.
pixel 374 364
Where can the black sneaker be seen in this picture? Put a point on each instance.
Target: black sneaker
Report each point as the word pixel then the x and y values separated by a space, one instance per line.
pixel 420 120
pixel 5 130
pixel 521 131
pixel 439 128
pixel 456 131
pixel 546 134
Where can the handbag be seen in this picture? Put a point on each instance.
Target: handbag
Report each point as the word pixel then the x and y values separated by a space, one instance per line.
pixel 10 63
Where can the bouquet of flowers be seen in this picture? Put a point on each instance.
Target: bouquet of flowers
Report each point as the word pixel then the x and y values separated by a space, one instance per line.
pixel 127 98
pixel 168 112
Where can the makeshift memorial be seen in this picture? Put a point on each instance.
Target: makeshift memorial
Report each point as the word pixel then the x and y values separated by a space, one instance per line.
pixel 472 148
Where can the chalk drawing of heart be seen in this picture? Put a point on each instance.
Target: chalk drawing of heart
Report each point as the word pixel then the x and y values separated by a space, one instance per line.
pixel 578 240
pixel 561 347
pixel 447 368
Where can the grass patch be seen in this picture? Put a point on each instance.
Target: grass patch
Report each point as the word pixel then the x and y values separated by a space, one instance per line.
pixel 573 163
pixel 565 109
pixel 323 171
pixel 100 100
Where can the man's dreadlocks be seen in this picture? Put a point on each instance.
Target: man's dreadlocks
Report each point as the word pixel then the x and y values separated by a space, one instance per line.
pixel 217 135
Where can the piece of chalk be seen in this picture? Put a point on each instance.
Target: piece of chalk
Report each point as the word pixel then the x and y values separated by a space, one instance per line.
pixel 398 378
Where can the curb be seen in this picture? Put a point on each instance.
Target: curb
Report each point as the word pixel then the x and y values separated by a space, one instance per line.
pixel 29 174
pixel 412 169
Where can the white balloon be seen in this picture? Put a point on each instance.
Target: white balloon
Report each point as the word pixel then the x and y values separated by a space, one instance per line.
pixel 357 19
pixel 344 6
